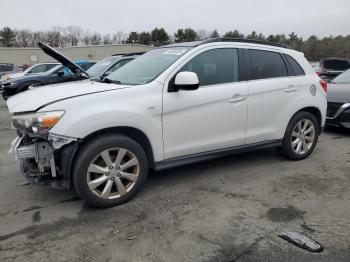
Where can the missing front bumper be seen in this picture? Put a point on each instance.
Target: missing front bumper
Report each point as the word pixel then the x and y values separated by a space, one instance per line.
pixel 46 160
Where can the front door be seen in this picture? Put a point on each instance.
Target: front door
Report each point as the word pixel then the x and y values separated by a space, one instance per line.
pixel 211 117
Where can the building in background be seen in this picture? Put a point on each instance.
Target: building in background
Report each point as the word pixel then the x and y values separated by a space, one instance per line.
pixel 24 56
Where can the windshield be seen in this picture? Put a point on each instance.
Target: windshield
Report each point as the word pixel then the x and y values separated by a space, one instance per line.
pixel 343 78
pixel 147 67
pixel 98 68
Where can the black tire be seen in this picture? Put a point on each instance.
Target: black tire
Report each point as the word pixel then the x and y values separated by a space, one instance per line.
pixel 25 86
pixel 5 97
pixel 286 149
pixel 93 148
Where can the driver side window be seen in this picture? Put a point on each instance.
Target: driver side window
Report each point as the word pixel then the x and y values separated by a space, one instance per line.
pixel 65 71
pixel 217 66
pixel 38 69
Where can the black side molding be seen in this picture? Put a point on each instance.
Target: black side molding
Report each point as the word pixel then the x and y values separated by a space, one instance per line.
pixel 194 158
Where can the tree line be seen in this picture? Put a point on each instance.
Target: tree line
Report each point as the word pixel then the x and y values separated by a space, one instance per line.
pixel 314 48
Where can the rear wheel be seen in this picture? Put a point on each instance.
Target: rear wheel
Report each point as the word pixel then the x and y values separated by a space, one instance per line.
pixel 301 136
pixel 110 170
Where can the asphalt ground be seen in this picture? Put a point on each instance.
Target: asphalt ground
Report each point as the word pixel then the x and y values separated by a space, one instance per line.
pixel 230 209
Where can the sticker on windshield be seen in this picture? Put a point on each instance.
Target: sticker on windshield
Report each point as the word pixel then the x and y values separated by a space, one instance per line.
pixel 175 52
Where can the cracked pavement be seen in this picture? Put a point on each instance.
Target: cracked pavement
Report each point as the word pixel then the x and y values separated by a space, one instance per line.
pixel 230 209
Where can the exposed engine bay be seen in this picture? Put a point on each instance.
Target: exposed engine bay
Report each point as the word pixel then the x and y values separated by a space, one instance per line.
pixel 41 158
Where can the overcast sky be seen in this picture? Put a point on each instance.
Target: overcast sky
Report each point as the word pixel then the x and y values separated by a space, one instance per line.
pixel 305 17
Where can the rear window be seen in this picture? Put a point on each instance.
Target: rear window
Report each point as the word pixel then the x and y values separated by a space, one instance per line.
pixel 266 64
pixel 296 68
pixel 335 64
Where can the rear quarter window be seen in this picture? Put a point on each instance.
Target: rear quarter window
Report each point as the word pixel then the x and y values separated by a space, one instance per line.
pixel 297 70
pixel 266 64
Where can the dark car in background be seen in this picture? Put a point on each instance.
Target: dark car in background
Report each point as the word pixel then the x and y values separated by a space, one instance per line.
pixel 332 67
pixel 338 98
pixel 110 64
pixel 66 72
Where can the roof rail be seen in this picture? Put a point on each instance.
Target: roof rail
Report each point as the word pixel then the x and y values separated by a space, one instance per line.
pixel 130 54
pixel 251 41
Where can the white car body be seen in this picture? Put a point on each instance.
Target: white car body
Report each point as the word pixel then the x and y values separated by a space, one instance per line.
pixel 183 103
pixel 182 123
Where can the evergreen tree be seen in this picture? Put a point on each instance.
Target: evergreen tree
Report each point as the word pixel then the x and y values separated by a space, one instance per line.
pixel 159 36
pixel 7 37
pixel 133 38
pixel 145 38
pixel 185 35
pixel 234 34
pixel 214 34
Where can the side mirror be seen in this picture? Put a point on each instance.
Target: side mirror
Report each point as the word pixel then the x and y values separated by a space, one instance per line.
pixel 187 81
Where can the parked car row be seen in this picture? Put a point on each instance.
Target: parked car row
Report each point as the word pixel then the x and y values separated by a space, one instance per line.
pixel 338 112
pixel 329 68
pixel 174 105
pixel 35 69
pixel 65 71
pixel 8 69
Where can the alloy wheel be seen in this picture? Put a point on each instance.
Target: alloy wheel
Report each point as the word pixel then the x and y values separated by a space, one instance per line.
pixel 113 173
pixel 303 136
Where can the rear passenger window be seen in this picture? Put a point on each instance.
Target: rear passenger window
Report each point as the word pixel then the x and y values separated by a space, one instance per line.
pixel 266 64
pixel 296 68
pixel 217 66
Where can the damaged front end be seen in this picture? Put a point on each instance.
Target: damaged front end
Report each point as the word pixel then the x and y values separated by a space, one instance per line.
pixel 44 158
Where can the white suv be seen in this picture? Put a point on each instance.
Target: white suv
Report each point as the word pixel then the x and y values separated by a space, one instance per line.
pixel 172 106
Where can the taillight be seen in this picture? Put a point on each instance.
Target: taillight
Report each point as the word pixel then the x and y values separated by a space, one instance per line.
pixel 324 85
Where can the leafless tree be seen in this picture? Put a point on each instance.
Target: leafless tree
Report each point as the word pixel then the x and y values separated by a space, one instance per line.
pixel 86 37
pixel 120 37
pixel 72 34
pixel 107 39
pixel 96 39
pixel 202 34
pixel 54 37
pixel 36 37
pixel 23 38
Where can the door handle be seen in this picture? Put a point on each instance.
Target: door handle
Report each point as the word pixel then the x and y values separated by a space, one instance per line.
pixel 237 98
pixel 290 89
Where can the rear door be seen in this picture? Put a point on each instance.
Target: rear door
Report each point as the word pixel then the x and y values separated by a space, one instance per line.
pixel 211 117
pixel 270 91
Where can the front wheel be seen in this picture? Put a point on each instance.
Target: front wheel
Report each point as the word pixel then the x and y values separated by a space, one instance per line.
pixel 301 136
pixel 110 170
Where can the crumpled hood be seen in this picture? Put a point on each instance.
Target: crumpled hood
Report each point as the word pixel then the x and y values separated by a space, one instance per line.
pixel 338 93
pixel 32 100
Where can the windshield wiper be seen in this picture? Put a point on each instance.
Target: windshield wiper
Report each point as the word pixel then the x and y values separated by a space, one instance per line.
pixel 109 81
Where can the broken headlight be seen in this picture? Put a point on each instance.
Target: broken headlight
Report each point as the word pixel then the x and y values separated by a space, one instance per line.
pixel 39 123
